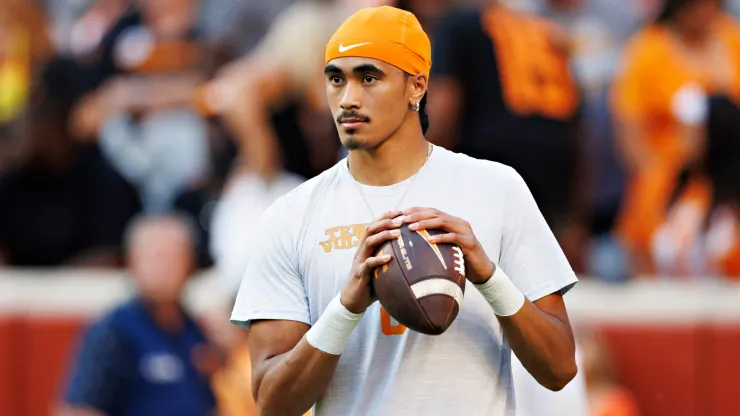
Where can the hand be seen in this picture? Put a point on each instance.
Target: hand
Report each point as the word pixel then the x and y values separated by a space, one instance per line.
pixel 357 294
pixel 477 264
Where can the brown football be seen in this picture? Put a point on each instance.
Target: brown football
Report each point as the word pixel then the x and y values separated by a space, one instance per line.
pixel 422 286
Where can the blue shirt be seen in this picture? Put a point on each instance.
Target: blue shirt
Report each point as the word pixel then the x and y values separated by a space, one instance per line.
pixel 128 366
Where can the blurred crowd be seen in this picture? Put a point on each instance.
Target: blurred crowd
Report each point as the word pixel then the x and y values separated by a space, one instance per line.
pixel 628 132
pixel 114 108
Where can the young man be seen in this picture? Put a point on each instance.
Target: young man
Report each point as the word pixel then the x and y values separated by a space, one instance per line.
pixel 317 334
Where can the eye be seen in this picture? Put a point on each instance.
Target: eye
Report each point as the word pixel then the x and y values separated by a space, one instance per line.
pixel 334 79
pixel 368 79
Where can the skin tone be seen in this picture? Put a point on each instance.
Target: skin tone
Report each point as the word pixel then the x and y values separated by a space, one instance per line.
pixel 372 102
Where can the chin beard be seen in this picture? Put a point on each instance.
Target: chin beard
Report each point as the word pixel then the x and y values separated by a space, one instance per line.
pixel 352 144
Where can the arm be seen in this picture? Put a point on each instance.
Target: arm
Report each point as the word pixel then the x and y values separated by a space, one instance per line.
pixel 259 90
pixel 288 374
pixel 541 337
pixel 292 363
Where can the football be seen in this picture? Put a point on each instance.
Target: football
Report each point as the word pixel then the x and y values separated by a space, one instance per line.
pixel 422 286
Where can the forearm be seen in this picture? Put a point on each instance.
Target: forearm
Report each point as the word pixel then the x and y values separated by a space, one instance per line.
pixel 258 144
pixel 167 91
pixel 632 145
pixel 290 383
pixel 543 344
pixel 294 381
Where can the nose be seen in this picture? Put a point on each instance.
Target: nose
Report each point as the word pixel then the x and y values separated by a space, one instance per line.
pixel 351 96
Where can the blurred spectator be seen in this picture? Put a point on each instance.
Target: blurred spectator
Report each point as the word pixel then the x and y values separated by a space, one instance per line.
pixel 234 27
pixel 61 204
pixel 606 397
pixel 143 114
pixel 690 51
pixel 78 26
pixel 597 31
pixel 701 234
pixel 235 220
pixel 276 85
pixel 148 356
pixel 503 91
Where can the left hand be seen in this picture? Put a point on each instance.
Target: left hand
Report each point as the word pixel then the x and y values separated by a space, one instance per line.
pixel 477 264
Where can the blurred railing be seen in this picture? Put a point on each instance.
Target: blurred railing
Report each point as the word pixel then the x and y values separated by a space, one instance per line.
pixel 674 341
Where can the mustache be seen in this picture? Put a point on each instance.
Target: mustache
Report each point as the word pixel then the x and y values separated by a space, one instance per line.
pixel 352 115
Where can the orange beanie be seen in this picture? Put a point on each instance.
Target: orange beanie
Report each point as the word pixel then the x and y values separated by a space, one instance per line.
pixel 384 33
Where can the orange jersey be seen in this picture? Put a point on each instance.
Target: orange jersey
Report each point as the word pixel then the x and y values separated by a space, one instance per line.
pixel 646 91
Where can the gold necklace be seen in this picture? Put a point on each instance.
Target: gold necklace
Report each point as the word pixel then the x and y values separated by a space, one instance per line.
pixel 413 179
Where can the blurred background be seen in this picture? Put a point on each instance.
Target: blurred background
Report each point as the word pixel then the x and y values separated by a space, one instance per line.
pixel 140 140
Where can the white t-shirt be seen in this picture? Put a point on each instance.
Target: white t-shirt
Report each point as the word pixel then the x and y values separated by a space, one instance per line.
pixel 305 252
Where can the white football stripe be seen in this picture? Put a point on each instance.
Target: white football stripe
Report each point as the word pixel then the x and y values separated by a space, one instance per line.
pixel 438 287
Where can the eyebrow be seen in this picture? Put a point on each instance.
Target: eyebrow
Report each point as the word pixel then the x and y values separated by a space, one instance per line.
pixel 360 69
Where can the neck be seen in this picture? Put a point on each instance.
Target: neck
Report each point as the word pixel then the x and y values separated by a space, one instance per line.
pixel 691 39
pixel 395 160
pixel 167 315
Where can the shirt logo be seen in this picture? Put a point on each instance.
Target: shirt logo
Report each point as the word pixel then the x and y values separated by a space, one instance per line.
pixel 343 237
pixel 161 368
pixel 343 48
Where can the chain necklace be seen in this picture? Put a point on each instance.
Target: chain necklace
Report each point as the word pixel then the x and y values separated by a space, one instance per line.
pixel 413 178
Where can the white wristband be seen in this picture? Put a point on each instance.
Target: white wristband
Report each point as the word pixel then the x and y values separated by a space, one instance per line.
pixel 501 293
pixel 333 328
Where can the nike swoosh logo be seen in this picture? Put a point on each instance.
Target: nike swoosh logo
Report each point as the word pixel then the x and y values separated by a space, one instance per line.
pixel 343 48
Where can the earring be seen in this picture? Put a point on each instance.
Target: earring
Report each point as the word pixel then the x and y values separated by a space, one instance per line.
pixel 416 107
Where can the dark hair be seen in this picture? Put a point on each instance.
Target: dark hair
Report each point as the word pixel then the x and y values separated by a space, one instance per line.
pixel 423 116
pixel 723 149
pixel 672 7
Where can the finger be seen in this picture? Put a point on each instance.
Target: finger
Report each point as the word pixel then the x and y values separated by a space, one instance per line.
pixel 425 214
pixel 451 238
pixel 382 225
pixel 412 210
pixel 438 223
pixel 389 215
pixel 372 262
pixel 372 242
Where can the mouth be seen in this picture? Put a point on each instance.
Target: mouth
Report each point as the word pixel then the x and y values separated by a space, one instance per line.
pixel 352 123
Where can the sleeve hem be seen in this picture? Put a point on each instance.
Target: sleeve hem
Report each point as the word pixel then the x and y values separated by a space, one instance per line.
pixel 562 285
pixel 244 319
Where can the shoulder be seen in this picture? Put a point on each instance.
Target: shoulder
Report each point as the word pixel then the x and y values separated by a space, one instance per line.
pixel 478 169
pixel 110 328
pixel 482 177
pixel 647 44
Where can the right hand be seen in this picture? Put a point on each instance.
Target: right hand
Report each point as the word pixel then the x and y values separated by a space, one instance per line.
pixel 357 294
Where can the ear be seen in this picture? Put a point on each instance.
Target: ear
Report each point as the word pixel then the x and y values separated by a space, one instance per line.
pixel 418 87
